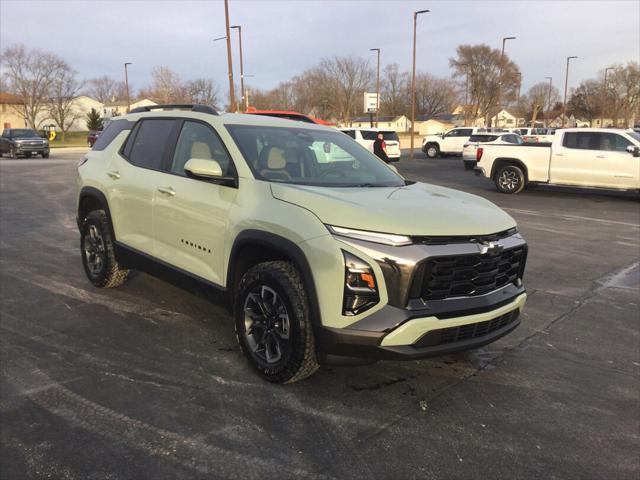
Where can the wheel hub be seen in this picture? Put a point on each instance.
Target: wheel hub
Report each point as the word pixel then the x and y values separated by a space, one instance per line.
pixel 267 325
pixel 94 250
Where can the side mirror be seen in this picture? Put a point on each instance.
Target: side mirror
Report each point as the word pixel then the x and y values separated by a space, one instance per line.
pixel 635 151
pixel 199 167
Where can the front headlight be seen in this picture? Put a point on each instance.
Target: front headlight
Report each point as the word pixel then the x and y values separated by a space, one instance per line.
pixel 360 287
pixel 375 237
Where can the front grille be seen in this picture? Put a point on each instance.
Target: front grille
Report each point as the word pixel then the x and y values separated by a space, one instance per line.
pixel 466 332
pixel 470 275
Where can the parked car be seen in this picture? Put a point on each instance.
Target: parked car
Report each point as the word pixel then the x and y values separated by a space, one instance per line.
pixel 452 142
pixel 367 136
pixel 470 150
pixel 584 157
pixel 301 117
pixel 320 261
pixel 23 141
pixel 537 135
pixel 92 137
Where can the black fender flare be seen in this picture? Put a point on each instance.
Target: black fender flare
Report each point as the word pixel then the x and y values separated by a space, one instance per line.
pixel 289 250
pixel 498 162
pixel 95 194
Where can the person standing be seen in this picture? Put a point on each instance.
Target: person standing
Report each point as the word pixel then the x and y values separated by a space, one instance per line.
pixel 380 148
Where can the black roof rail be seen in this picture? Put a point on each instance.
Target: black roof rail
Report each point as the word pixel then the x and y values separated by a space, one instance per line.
pixel 176 106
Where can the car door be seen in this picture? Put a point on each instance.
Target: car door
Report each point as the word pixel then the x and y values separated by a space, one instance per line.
pixel 132 177
pixel 190 215
pixel 614 166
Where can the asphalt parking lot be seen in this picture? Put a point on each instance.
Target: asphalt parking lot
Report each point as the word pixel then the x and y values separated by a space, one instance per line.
pixel 147 381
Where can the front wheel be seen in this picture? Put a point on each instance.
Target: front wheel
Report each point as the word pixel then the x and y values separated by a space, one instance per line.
pixel 432 151
pixel 510 179
pixel 13 153
pixel 273 324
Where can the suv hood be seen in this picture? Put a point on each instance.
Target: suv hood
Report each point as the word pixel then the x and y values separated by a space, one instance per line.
pixel 418 209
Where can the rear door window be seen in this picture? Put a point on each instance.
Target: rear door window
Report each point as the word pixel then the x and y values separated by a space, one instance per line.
pixel 368 134
pixel 110 132
pixel 582 140
pixel 147 147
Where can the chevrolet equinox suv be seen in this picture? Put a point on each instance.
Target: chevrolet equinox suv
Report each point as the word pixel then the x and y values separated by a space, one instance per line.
pixel 322 251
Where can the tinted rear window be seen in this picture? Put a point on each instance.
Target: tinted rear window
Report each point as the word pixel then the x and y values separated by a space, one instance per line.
pixel 393 136
pixel 149 143
pixel 110 132
pixel 483 138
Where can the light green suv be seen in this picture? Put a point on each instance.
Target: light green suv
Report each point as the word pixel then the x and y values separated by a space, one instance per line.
pixel 322 251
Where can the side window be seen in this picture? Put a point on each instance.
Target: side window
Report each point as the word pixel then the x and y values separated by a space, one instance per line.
pixel 111 132
pixel 351 133
pixel 149 143
pixel 368 134
pixel 198 140
pixel 582 140
pixel 613 142
pixel 465 132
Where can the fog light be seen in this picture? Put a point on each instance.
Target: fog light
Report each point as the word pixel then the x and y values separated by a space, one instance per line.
pixel 360 288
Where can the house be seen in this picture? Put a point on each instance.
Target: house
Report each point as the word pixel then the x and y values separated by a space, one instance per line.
pixel 80 107
pixel 504 120
pixel 570 122
pixel 474 122
pixel 397 123
pixel 115 109
pixel 431 125
pixel 9 117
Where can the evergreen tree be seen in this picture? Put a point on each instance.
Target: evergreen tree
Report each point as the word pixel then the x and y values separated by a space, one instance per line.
pixel 94 120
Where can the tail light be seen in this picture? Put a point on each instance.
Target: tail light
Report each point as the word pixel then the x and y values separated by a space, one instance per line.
pixel 479 153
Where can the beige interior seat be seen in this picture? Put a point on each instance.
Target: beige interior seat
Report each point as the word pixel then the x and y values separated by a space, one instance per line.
pixel 275 165
pixel 201 150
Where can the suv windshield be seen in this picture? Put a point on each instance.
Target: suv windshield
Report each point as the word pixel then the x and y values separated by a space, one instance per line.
pixel 307 156
pixel 23 133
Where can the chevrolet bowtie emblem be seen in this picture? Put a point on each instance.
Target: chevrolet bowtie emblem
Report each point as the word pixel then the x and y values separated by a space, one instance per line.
pixel 491 248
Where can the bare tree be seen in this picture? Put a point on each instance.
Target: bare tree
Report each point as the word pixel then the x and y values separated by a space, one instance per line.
pixel 538 100
pixel 30 74
pixel 282 97
pixel 434 96
pixel 203 91
pixel 166 86
pixel 64 91
pixel 586 100
pixel 105 89
pixel 394 91
pixel 482 64
pixel 623 93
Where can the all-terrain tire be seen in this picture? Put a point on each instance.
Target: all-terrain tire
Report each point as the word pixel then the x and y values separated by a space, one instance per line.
pixel 280 284
pixel 432 150
pixel 95 235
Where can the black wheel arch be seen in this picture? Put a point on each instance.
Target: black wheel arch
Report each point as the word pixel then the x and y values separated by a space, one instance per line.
pixel 501 162
pixel 90 199
pixel 256 246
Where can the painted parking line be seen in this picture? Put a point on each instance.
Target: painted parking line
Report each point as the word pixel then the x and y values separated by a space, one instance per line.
pixel 576 218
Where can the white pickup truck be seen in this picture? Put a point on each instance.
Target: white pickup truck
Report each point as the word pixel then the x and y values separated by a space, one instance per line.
pixel 584 157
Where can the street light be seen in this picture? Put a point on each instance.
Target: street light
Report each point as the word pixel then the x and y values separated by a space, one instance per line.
pixel 604 88
pixel 504 40
pixel 549 97
pixel 232 93
pixel 413 80
pixel 126 82
pixel 564 102
pixel 242 91
pixel 377 85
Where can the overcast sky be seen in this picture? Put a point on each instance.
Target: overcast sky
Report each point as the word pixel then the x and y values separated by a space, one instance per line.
pixel 282 38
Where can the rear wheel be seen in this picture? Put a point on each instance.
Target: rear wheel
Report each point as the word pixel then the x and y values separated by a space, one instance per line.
pixel 273 324
pixel 510 179
pixel 432 151
pixel 98 255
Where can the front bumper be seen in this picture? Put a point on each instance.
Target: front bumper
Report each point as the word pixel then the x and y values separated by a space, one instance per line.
pixel 32 149
pixel 423 336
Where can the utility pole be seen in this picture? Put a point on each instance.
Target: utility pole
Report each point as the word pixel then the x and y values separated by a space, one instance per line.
pixel 604 97
pixel 377 86
pixel 548 99
pixel 126 83
pixel 504 40
pixel 413 81
pixel 564 102
pixel 243 100
pixel 232 93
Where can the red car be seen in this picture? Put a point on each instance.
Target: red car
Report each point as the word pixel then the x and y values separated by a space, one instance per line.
pixel 92 137
pixel 301 117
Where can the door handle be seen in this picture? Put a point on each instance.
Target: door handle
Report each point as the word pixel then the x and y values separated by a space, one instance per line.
pixel 113 174
pixel 167 190
pixel 599 156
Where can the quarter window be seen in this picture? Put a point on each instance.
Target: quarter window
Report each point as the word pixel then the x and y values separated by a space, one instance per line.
pixel 110 132
pixel 149 143
pixel 197 140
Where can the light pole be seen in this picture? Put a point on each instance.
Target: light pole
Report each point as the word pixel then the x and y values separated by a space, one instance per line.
pixel 548 98
pixel 564 102
pixel 604 97
pixel 126 83
pixel 413 80
pixel 242 91
pixel 504 40
pixel 377 86
pixel 466 91
pixel 232 93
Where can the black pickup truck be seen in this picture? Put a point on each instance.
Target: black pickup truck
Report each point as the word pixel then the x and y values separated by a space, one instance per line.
pixel 23 141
